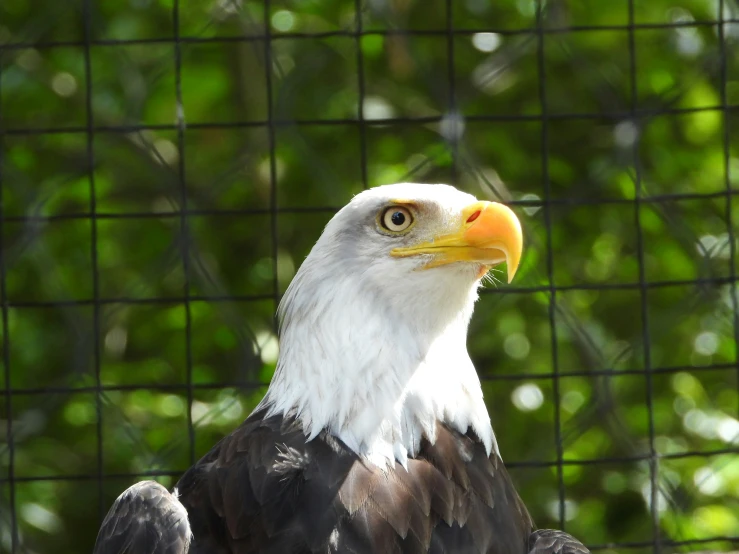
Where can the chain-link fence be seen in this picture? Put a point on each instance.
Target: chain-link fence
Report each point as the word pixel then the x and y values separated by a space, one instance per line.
pixel 167 164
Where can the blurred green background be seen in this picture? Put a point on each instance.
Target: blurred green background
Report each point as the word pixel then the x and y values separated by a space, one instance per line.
pixel 109 294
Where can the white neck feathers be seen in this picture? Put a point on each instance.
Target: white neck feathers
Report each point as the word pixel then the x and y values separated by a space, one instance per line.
pixel 377 363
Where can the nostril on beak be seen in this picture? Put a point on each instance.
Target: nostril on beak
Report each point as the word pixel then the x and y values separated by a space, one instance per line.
pixel 474 216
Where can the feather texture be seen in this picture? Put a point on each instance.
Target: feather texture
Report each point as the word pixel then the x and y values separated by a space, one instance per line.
pixel 145 519
pixel 322 497
pixel 550 541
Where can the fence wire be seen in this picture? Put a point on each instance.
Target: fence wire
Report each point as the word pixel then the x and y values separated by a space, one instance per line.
pixel 165 166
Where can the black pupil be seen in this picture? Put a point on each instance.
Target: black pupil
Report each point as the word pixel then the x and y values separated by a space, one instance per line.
pixel 398 218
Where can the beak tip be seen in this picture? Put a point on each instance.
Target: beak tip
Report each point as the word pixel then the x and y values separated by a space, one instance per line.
pixel 511 271
pixel 506 227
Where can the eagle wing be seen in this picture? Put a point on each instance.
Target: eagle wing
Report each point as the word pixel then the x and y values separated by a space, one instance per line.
pixel 145 519
pixel 551 541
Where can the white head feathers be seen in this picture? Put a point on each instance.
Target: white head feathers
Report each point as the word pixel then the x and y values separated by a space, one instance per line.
pixel 372 346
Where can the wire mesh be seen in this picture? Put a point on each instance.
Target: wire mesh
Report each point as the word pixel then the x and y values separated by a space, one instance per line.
pixel 152 217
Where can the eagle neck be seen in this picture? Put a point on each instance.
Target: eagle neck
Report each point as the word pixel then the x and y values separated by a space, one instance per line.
pixel 371 372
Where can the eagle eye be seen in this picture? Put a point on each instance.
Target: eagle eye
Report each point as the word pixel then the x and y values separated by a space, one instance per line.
pixel 396 219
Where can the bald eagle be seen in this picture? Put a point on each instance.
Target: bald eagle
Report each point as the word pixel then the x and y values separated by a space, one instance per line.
pixel 373 436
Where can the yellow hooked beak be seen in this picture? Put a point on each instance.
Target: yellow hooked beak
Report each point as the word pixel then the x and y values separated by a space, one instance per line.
pixel 489 234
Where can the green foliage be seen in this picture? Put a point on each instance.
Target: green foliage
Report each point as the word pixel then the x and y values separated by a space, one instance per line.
pixel 207 317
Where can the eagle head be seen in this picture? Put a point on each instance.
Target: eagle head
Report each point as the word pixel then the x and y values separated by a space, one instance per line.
pixel 373 326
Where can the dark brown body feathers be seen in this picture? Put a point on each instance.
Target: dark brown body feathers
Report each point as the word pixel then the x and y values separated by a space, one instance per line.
pixel 264 489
